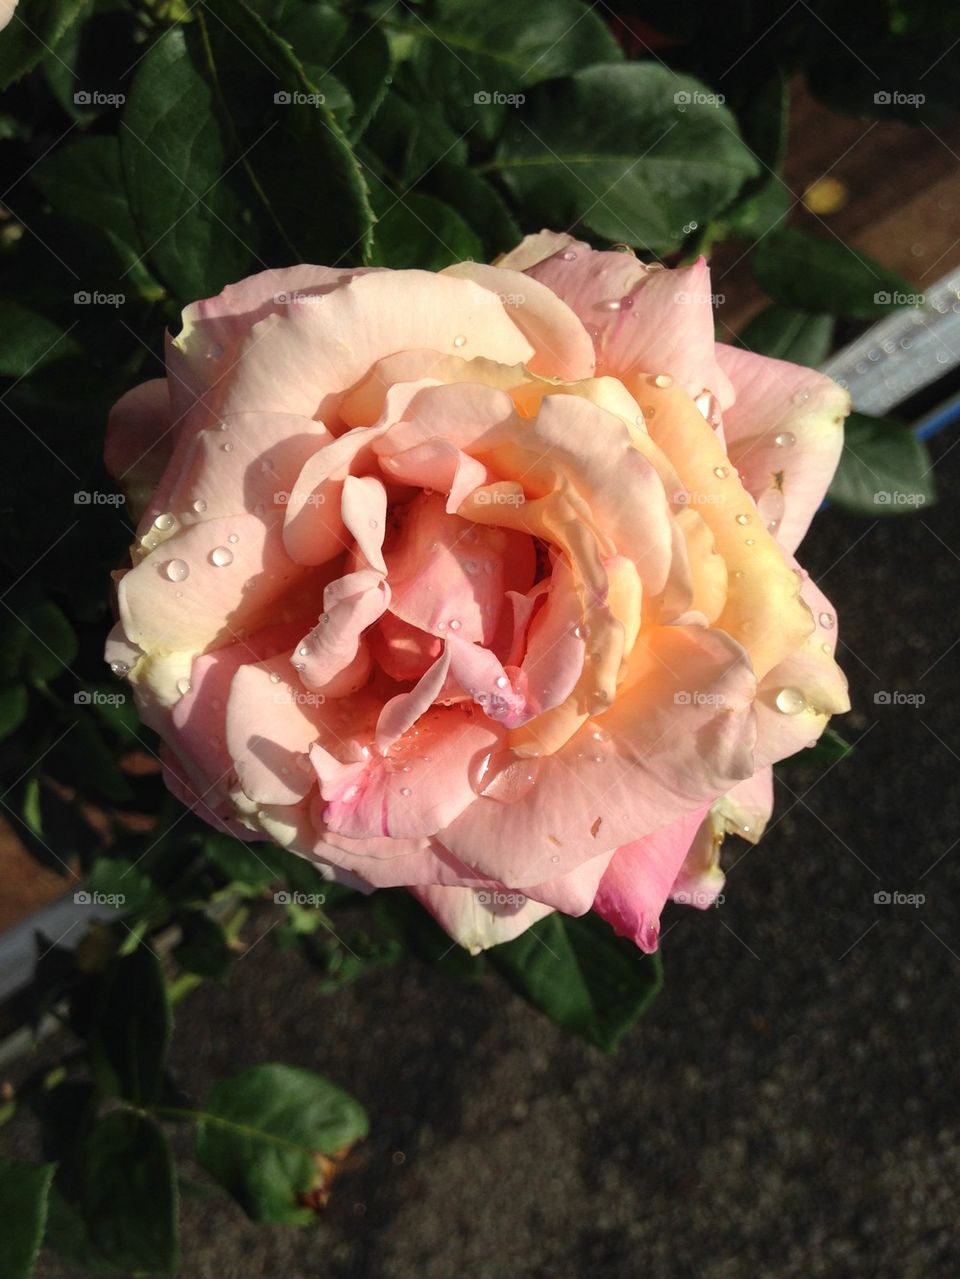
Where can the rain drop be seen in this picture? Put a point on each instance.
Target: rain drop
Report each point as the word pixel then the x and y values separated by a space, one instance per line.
pixel 199 506
pixel 221 556
pixel 612 305
pixel 233 538
pixel 303 650
pixel 827 621
pixel 405 791
pixel 183 687
pixel 454 624
pixel 459 340
pixel 721 472
pixel 274 678
pixel 569 255
pixel 785 440
pixel 177 570
pixel 663 380
pixel 790 701
pixel 743 519
pixel 120 668
pixel 164 522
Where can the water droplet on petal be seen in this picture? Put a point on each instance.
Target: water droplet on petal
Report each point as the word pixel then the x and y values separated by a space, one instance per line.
pixel 613 304
pixel 454 624
pixel 177 570
pixel 801 396
pixel 199 506
pixel 827 621
pixel 743 519
pixel 303 650
pixel 183 687
pixel 505 776
pixel 790 701
pixel 721 472
pixel 405 791
pixel 502 681
pixel 459 340
pixel 226 448
pixel 120 668
pixel 663 380
pixel 221 556
pixel 274 678
pixel 233 538
pixel 568 255
pixel 785 440
pixel 165 522
pixel 214 351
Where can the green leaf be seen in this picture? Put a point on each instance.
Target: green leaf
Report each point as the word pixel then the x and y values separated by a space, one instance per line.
pixel 479 203
pixel 830 748
pixel 24 1191
pixel 410 142
pixel 84 178
pixel 813 274
pixel 261 1131
pixel 364 66
pixel 115 877
pixel 885 469
pixel 400 916
pixel 128 1193
pixel 612 148
pixel 417 231
pixel 204 949
pixel 787 334
pixel 581 975
pixel 13 708
pixel 467 52
pixel 52 644
pixel 251 866
pixel 34 29
pixel 30 340
pixel 130 1029
pixel 190 220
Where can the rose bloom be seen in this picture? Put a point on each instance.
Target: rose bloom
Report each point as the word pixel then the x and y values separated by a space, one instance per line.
pixel 480 583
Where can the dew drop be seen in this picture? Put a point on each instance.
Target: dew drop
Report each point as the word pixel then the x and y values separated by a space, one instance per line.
pixel 827 621
pixel 555 858
pixel 751 541
pixel 120 668
pixel 303 650
pixel 459 340
pixel 233 538
pixel 785 440
pixel 221 556
pixel 177 570
pixel 199 506
pixel 738 573
pixel 502 681
pixel 454 624
pixel 405 791
pixel 274 678
pixel 613 304
pixel 569 256
pixel 226 448
pixel 183 687
pixel 743 519
pixel 505 776
pixel 790 701
pixel 721 472
pixel 165 522
pixel 663 380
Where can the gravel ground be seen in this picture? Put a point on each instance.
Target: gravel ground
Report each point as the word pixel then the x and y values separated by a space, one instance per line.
pixel 786 1109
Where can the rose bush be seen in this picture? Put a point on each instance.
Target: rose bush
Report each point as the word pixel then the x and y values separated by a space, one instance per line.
pixel 479 583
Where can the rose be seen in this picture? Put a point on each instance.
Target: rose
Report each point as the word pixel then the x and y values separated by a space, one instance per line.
pixel 479 582
pixel 7 10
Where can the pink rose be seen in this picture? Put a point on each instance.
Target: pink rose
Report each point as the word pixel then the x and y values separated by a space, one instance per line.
pixel 479 583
